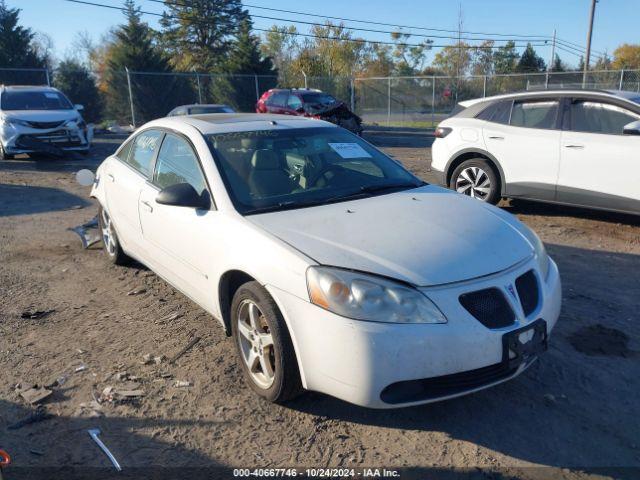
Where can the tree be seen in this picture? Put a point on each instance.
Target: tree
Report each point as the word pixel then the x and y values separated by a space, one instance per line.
pixel 409 59
pixel 134 48
pixel 558 65
pixel 603 63
pixel 281 45
pixel 626 56
pixel 453 60
pixel 530 62
pixel 17 47
pixel 199 34
pixel 505 58
pixel 244 59
pixel 74 79
pixel 483 61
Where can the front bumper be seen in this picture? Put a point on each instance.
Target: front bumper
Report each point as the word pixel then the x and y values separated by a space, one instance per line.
pixel 356 361
pixel 19 139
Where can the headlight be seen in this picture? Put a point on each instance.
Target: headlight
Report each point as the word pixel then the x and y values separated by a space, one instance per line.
pixel 368 297
pixel 540 252
pixel 15 121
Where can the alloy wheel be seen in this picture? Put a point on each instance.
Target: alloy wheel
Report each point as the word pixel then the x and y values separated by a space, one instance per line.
pixel 108 236
pixel 256 344
pixel 474 182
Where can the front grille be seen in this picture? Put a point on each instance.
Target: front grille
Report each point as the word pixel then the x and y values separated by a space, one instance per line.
pixel 489 307
pixel 44 125
pixel 527 287
pixel 445 385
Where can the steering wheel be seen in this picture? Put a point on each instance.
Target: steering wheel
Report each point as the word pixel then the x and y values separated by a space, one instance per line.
pixel 324 171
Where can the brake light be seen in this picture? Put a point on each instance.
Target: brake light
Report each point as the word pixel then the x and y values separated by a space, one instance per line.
pixel 442 132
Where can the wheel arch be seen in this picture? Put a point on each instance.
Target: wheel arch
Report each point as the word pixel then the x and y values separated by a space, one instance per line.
pixel 229 283
pixel 468 154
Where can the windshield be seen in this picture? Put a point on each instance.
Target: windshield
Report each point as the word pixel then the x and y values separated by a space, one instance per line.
pixel 47 100
pixel 213 109
pixel 318 99
pixel 267 170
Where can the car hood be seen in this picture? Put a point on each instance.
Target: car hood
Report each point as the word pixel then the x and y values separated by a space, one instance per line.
pixel 42 115
pixel 426 236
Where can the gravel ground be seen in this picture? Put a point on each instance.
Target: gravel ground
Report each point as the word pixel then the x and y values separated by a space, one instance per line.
pixel 575 412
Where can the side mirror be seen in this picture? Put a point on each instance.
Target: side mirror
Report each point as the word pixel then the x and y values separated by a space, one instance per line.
pixel 79 107
pixel 632 128
pixel 184 195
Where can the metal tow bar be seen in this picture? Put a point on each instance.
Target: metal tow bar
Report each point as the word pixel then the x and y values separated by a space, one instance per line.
pixel 94 432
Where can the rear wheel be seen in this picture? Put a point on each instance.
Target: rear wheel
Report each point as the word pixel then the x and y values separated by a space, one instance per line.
pixel 476 178
pixel 110 241
pixel 263 344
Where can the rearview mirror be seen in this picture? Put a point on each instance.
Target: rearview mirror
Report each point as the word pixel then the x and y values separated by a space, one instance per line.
pixel 184 195
pixel 632 128
pixel 79 107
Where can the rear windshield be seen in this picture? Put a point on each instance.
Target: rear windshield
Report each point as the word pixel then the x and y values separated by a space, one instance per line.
pixel 267 170
pixel 213 109
pixel 16 100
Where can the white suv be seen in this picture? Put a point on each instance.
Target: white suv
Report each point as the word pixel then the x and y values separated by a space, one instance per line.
pixel 40 120
pixel 577 147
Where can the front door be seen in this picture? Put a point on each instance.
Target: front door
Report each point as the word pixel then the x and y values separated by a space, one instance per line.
pixel 180 239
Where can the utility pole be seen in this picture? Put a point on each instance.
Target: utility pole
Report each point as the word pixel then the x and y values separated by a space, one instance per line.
pixel 552 59
pixel 586 60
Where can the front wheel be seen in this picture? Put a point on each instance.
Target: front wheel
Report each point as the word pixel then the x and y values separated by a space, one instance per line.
pixel 263 344
pixel 477 179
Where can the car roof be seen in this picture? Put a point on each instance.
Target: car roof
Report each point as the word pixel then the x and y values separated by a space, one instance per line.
pixel 202 105
pixel 38 88
pixel 211 123
pixel 550 92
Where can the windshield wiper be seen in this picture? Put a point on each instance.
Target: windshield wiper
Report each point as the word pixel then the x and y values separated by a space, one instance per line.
pixel 282 206
pixel 388 186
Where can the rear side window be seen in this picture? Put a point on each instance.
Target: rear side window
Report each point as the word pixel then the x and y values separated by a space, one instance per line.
pixel 277 99
pixel 144 149
pixel 294 102
pixel 595 117
pixel 177 163
pixel 498 112
pixel 540 114
pixel 123 154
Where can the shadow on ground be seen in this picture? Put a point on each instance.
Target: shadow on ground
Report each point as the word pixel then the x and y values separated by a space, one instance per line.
pixel 27 200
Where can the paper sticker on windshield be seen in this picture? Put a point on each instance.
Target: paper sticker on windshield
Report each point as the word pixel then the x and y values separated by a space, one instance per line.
pixel 54 96
pixel 349 150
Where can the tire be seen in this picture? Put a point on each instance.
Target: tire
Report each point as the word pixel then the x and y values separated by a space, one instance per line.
pixel 274 374
pixel 4 155
pixel 111 245
pixel 476 178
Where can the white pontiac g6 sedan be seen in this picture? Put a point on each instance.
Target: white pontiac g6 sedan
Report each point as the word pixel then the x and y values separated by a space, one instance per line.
pixel 333 268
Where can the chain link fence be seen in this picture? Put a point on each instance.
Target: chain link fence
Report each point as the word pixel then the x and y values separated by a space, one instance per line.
pixel 130 97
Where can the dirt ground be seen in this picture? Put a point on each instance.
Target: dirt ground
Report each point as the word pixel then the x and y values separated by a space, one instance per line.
pixel 576 412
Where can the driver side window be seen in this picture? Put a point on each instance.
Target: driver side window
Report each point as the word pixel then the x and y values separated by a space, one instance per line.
pixel 177 163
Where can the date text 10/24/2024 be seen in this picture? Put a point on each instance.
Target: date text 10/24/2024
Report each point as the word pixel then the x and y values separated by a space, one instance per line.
pixel 317 472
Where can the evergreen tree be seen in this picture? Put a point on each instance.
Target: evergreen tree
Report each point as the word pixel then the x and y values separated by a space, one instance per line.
pixel 244 59
pixel 558 65
pixel 505 58
pixel 199 33
pixel 134 48
pixel 530 62
pixel 17 47
pixel 76 82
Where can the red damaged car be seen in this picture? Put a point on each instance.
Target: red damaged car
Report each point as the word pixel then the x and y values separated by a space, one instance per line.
pixel 309 103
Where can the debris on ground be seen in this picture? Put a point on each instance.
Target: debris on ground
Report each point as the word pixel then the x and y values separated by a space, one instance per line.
pixel 34 394
pixel 94 432
pixel 92 408
pixel 137 291
pixel 185 349
pixel 36 314
pixel 36 452
pixel 81 368
pixel 89 232
pixel 58 381
pixel 38 415
pixel 182 383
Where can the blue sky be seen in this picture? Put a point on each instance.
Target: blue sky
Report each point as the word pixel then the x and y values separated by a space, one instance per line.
pixel 616 20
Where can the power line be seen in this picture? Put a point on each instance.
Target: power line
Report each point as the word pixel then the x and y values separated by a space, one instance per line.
pixel 392 24
pixel 369 30
pixel 324 37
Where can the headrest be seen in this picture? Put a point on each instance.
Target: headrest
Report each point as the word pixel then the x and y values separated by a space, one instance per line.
pixel 265 160
pixel 248 143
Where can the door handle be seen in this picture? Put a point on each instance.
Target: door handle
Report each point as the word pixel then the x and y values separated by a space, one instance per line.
pixel 574 146
pixel 147 205
pixel 111 177
pixel 495 137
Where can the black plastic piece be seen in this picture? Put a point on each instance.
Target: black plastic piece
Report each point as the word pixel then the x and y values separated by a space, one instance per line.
pixel 489 307
pixel 184 195
pixel 527 287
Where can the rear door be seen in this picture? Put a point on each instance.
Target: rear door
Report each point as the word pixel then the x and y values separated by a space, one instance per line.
pixel 599 167
pixel 125 178
pixel 277 102
pixel 524 137
pixel 294 105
